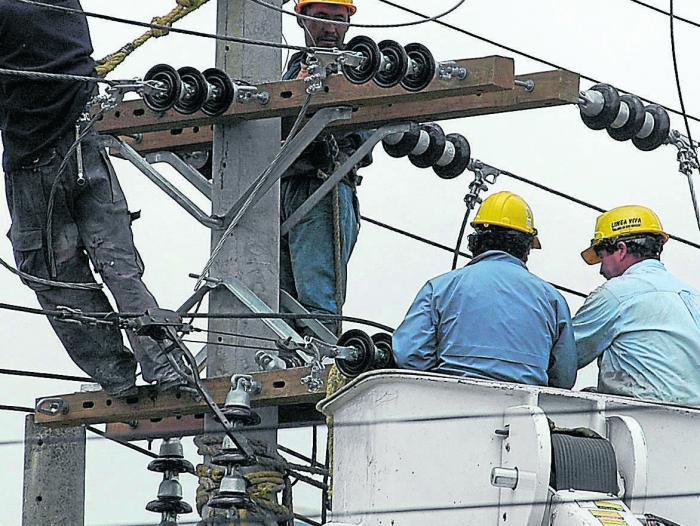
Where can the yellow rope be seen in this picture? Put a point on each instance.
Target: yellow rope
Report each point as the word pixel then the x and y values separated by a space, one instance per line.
pixel 334 383
pixel 107 64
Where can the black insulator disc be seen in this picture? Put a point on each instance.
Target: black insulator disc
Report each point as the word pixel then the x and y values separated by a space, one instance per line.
pixel 177 465
pixel 397 56
pixel 223 502
pixel 218 103
pixel 405 145
pixel 463 153
pixel 168 77
pixel 635 121
pixel 435 149
pixel 384 357
pixel 659 135
pixel 418 80
pixel 192 99
pixel 609 111
pixel 169 506
pixel 244 415
pixel 361 341
pixel 370 50
pixel 233 458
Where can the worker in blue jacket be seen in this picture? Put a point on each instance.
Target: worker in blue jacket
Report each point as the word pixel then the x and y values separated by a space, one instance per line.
pixel 492 319
pixel 314 254
pixel 643 324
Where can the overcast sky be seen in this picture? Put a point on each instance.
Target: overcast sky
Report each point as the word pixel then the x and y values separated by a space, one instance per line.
pixel 614 40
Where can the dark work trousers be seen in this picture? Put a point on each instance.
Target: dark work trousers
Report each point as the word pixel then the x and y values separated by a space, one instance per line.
pixel 90 223
pixel 307 253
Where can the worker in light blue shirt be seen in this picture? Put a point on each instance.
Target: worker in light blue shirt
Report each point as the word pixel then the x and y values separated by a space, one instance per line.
pixel 643 324
pixel 492 319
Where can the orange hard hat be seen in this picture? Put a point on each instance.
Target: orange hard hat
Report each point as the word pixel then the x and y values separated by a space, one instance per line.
pixel 347 3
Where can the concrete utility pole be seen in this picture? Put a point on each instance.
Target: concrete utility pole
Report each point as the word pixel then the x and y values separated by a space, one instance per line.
pixel 54 475
pixel 242 151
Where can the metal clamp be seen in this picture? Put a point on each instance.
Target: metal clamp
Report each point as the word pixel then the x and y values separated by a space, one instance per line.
pixel 450 70
pixel 321 62
pixel 245 94
pixel 52 406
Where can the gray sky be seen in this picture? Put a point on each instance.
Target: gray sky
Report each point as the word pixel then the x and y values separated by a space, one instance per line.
pixel 613 40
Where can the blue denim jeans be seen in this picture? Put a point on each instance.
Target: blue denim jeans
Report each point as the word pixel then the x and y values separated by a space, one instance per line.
pixel 307 254
pixel 91 223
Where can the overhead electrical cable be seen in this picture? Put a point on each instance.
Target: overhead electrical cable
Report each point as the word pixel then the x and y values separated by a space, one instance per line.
pixel 448 249
pixel 352 513
pixel 109 18
pixel 694 153
pixel 583 203
pixel 47 376
pixel 653 406
pixel 667 13
pixel 300 16
pixel 525 54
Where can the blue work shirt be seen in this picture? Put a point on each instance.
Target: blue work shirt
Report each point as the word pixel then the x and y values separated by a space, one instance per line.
pixel 644 328
pixel 491 319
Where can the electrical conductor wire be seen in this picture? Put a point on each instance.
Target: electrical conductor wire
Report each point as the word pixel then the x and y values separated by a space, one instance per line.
pixel 300 16
pixel 109 18
pixel 691 146
pixel 525 54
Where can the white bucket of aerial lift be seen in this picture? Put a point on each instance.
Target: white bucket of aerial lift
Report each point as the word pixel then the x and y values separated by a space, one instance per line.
pixel 416 448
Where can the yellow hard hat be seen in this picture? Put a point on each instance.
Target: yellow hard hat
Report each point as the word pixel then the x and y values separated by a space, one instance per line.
pixel 507 210
pixel 347 3
pixel 623 221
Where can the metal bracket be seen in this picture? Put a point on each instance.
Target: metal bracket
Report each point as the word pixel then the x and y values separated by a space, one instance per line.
pixel 254 304
pixel 161 182
pixel 52 406
pixel 341 172
pixel 289 304
pixel 185 169
pixel 291 151
pixel 321 62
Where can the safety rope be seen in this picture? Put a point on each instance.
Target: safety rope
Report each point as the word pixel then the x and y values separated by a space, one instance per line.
pixel 106 65
pixel 338 258
pixel 265 483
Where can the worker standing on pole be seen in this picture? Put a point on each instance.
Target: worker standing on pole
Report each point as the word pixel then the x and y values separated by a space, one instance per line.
pixel 314 255
pixel 492 319
pixel 643 324
pixel 68 209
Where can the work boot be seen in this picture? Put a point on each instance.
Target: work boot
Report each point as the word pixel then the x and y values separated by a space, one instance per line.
pixel 126 392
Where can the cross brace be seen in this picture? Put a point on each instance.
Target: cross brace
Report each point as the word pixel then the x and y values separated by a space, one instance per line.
pixel 552 88
pixel 286 98
pixel 281 387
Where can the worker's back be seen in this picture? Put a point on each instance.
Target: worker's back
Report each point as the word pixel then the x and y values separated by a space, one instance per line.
pixel 492 319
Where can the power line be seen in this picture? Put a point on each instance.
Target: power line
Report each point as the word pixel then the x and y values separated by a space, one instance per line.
pixel 128 445
pixel 688 173
pixel 451 250
pixel 525 54
pixel 16 408
pixel 300 16
pixel 667 13
pixel 582 202
pixel 337 514
pixel 48 376
pixel 109 18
